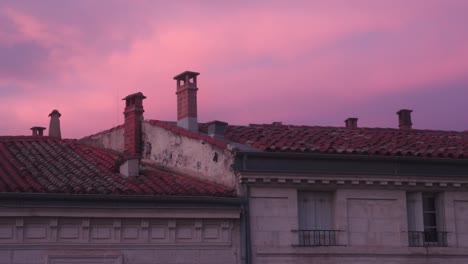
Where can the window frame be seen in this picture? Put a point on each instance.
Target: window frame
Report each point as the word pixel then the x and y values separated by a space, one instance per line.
pixel 314 227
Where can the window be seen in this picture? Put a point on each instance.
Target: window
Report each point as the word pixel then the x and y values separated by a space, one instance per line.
pixel 425 220
pixel 315 219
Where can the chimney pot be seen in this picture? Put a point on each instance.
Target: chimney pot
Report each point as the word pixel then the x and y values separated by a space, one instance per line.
pixel 404 119
pixel 54 126
pixel 132 125
pixel 37 131
pixel 187 100
pixel 351 122
pixel 216 129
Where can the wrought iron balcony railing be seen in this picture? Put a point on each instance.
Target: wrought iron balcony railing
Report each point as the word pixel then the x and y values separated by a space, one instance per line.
pixel 427 239
pixel 317 238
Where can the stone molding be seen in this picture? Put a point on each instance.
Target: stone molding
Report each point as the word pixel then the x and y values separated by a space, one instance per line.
pixel 339 181
pixel 44 231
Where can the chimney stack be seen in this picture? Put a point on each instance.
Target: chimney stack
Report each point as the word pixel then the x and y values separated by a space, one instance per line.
pixel 38 131
pixel 132 125
pixel 54 126
pixel 187 100
pixel 216 129
pixel 404 119
pixel 351 122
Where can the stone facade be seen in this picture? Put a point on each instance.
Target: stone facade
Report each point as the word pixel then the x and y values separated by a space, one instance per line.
pixel 137 237
pixel 371 227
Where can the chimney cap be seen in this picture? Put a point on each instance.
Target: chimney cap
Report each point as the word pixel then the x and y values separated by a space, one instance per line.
pixel 351 122
pixel 217 122
pixel 181 76
pixel 55 112
pixel 135 95
pixel 404 110
pixel 404 119
pixel 38 128
pixel 216 128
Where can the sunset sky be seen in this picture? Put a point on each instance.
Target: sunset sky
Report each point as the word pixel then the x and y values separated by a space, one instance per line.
pixel 309 62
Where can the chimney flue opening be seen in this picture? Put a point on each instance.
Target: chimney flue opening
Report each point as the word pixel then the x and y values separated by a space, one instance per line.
pixel 133 115
pixel 404 119
pixel 351 123
pixel 187 100
pixel 38 131
pixel 216 129
pixel 54 126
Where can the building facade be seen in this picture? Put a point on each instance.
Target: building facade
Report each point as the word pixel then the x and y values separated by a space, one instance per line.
pixel 63 201
pixel 191 192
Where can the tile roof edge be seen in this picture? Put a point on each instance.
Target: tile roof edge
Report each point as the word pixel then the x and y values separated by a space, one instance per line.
pixel 113 197
pixel 214 141
pixel 103 132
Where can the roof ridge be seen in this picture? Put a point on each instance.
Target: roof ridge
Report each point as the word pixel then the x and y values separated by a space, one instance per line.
pixel 34 138
pixel 195 135
pixel 103 132
pixel 345 128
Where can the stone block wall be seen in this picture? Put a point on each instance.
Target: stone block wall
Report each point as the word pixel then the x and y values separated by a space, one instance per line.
pixel 57 240
pixel 372 228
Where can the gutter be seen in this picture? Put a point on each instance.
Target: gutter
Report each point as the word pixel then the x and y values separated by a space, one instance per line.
pixel 122 198
pixel 285 155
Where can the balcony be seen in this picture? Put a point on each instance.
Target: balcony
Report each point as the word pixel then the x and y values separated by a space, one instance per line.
pixel 427 239
pixel 317 238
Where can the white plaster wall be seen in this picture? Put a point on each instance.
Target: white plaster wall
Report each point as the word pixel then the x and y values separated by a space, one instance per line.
pixel 187 155
pixel 113 139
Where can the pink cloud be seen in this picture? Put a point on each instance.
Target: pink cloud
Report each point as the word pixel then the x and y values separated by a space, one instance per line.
pixel 258 63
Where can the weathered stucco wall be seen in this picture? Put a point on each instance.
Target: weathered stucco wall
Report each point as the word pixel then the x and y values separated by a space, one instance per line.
pixel 372 223
pixel 187 155
pixel 111 139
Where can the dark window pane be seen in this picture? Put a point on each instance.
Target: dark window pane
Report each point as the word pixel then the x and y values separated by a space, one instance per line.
pixel 429 203
pixel 429 220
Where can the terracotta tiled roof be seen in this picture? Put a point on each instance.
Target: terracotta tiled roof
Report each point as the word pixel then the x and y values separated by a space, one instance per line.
pixel 360 141
pixel 46 165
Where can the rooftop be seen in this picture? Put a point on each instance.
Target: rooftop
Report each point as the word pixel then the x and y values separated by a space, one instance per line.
pixel 341 140
pixel 31 164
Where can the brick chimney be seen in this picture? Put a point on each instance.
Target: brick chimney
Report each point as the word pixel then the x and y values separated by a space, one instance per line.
pixel 351 122
pixel 404 119
pixel 187 100
pixel 133 117
pixel 37 131
pixel 54 126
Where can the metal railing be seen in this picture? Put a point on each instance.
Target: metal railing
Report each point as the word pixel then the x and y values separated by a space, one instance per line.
pixel 427 239
pixel 317 238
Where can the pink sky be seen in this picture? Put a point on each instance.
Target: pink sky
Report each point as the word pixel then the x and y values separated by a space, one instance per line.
pixel 298 62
